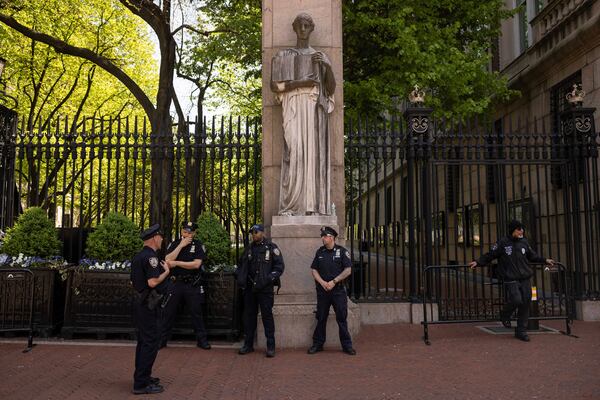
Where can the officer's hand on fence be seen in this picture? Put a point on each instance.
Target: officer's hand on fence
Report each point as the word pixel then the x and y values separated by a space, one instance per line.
pixel 473 264
pixel 550 262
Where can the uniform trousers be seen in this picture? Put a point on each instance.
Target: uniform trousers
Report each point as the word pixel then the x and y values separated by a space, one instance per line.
pixel 148 340
pixel 337 298
pixel 518 297
pixel 193 298
pixel 252 301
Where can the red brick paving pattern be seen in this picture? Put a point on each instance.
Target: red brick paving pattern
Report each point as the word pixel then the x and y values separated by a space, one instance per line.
pixel 392 363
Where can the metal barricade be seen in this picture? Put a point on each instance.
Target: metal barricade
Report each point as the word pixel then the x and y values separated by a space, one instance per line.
pixel 17 290
pixel 455 294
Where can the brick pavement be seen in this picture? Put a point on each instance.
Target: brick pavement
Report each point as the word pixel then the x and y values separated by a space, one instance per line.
pixel 392 363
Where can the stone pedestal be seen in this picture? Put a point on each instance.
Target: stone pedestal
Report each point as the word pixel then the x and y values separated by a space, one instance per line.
pixel 295 305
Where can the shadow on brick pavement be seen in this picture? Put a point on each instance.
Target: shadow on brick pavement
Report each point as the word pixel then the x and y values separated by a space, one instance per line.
pixel 392 363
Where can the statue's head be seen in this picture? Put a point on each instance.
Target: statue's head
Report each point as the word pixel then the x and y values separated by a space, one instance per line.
pixel 303 25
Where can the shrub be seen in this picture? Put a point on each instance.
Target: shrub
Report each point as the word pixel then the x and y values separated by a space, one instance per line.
pixel 33 235
pixel 115 239
pixel 215 238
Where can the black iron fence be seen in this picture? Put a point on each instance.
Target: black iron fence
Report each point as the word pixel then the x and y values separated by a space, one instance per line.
pixel 460 294
pixel 79 171
pixel 422 191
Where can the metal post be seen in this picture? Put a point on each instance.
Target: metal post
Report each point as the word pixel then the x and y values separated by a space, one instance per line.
pixel 418 119
pixel 577 130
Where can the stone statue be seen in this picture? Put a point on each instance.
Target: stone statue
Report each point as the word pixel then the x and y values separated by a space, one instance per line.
pixel 303 81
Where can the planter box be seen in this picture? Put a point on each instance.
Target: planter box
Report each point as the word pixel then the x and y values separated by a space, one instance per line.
pixel 101 302
pixel 222 310
pixel 98 302
pixel 49 301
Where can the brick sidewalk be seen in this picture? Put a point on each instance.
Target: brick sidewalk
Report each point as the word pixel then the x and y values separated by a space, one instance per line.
pixel 392 363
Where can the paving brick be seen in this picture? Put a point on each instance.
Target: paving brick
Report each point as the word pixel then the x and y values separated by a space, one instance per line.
pixel 392 363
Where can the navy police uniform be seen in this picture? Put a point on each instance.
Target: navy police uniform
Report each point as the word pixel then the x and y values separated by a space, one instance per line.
pixel 260 268
pixel 187 287
pixel 329 264
pixel 514 256
pixel 146 265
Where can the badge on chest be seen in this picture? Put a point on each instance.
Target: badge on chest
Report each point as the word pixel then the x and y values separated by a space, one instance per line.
pixel 337 253
pixel 193 248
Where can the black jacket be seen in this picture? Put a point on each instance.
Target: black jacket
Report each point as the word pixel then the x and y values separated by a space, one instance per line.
pixel 267 266
pixel 514 256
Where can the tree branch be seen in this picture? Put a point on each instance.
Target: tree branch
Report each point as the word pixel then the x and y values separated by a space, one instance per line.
pixel 103 62
pixel 203 33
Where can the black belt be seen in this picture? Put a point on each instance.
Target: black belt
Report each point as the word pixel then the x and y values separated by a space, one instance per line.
pixel 184 278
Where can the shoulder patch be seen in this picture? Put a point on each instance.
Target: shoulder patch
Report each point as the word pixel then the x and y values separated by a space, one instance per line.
pixel 347 253
pixel 204 248
pixel 153 262
pixel 276 251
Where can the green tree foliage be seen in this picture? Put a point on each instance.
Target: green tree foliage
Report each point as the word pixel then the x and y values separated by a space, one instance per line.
pixel 33 235
pixel 215 238
pixel 115 239
pixel 47 84
pixel 221 55
pixel 442 45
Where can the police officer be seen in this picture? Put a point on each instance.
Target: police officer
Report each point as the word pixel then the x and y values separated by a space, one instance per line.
pixel 330 267
pixel 514 254
pixel 186 255
pixel 259 270
pixel 148 277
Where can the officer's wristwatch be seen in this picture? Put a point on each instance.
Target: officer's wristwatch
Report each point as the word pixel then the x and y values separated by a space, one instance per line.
pixel 335 280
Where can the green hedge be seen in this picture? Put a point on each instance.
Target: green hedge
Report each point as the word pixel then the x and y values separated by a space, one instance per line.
pixel 34 234
pixel 215 238
pixel 117 238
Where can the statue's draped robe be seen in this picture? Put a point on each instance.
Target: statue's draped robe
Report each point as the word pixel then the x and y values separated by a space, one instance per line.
pixel 305 167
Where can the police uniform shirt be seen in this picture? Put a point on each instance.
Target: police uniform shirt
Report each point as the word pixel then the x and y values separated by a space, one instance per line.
pixel 145 265
pixel 331 263
pixel 191 252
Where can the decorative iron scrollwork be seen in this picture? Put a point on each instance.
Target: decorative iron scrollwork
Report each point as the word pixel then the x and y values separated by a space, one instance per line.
pixel 583 124
pixel 419 124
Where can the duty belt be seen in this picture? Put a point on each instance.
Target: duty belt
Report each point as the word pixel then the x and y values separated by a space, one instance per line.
pixel 184 278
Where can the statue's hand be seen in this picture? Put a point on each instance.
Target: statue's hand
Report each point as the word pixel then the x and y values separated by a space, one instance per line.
pixel 320 58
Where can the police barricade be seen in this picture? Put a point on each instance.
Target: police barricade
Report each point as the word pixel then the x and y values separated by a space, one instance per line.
pixel 17 289
pixel 455 294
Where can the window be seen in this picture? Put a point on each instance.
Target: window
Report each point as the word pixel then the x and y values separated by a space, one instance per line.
pixel 452 186
pixel 468 225
pixel 523 24
pixel 388 205
pixel 438 229
pixel 523 211
pixel 539 5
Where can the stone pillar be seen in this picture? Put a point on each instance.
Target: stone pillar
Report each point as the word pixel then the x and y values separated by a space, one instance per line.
pixel 298 236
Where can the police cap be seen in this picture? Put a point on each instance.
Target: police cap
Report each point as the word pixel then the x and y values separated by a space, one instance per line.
pixel 327 230
pixel 150 232
pixel 189 226
pixel 257 228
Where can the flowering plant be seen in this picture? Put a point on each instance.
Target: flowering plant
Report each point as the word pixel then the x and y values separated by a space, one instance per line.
pixel 95 265
pixel 221 268
pixel 23 261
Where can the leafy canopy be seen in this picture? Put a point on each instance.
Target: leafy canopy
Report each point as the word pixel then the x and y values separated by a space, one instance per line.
pixel 442 45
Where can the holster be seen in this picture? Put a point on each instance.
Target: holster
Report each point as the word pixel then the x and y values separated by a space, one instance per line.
pixel 153 299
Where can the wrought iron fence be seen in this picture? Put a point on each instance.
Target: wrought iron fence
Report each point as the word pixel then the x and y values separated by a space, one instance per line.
pixel 81 171
pixel 422 191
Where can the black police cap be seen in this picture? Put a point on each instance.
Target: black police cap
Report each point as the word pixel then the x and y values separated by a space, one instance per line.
pixel 327 230
pixel 150 232
pixel 189 226
pixel 256 228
